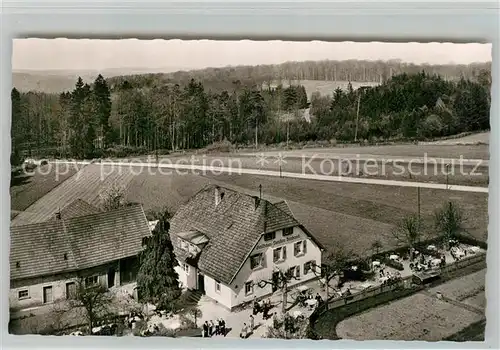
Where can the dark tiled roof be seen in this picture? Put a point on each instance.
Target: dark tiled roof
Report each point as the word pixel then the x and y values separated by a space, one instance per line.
pixel 76 243
pixel 233 227
pixel 77 208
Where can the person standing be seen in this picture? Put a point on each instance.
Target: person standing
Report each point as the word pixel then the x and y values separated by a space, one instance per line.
pixel 223 326
pixel 205 329
pixel 252 323
pixel 244 330
pixel 211 328
pixel 217 326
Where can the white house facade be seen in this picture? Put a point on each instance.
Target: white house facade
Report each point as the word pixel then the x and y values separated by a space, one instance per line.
pixel 226 259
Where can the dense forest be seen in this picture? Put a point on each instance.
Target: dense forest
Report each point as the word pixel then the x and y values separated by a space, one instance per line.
pixel 121 115
pixel 350 70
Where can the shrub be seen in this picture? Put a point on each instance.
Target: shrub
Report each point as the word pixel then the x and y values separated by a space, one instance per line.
pixel 223 147
pixel 333 142
pixel 164 331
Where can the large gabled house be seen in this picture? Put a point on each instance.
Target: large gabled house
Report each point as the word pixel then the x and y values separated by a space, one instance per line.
pixel 47 259
pixel 226 242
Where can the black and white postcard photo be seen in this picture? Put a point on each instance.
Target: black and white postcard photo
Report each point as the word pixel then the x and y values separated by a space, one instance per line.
pixel 249 189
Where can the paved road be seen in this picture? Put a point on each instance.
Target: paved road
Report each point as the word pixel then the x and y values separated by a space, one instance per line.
pixel 203 169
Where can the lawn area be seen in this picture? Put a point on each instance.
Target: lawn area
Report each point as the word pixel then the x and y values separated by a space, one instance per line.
pixel 465 288
pixel 422 316
pixel 354 215
pixel 383 204
pixel 406 150
pixel 417 317
pixel 27 189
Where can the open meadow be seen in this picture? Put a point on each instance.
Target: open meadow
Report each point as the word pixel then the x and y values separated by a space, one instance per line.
pixel 418 317
pixel 332 211
pixel 421 316
pixel 392 151
pixel 25 189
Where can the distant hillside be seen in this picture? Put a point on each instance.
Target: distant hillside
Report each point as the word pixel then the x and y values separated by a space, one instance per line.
pixel 57 81
pixel 232 77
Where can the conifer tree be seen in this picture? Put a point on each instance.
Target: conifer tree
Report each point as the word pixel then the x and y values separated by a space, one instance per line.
pixel 157 281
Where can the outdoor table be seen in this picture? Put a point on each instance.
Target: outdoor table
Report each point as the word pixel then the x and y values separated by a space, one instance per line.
pixel 311 302
pixel 302 288
pixel 354 268
pixel 435 262
pixel 376 263
pixel 393 257
pixel 431 247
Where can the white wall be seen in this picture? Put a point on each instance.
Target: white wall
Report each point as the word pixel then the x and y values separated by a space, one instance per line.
pixel 189 280
pixel 224 297
pixel 247 274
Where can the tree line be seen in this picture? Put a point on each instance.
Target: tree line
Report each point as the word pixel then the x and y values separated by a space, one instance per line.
pixel 99 119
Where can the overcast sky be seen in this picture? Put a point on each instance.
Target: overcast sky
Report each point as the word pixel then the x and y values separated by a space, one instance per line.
pixel 82 54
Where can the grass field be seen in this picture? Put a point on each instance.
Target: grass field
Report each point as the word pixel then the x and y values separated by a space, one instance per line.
pixel 464 288
pixel 324 87
pixel 354 215
pixel 383 204
pixel 423 316
pixel 483 137
pixel 406 150
pixel 417 317
pixel 27 189
pixel 431 173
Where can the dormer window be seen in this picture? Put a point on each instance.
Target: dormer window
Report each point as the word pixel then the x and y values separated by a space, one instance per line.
pixel 287 231
pixel 18 264
pixel 65 256
pixel 270 236
pixel 184 245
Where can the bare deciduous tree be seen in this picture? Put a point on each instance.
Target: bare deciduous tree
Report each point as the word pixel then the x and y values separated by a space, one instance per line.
pixel 449 221
pixel 113 197
pixel 333 266
pixel 280 281
pixel 94 299
pixel 408 232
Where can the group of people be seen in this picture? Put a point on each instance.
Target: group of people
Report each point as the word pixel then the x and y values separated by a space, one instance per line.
pixel 427 262
pixel 265 306
pixel 247 330
pixel 212 328
pixel 302 299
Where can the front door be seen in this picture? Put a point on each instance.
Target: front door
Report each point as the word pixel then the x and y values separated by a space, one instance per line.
pixel 111 277
pixel 201 283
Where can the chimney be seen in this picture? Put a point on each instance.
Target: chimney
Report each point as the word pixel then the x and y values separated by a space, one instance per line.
pixel 257 201
pixel 58 215
pixel 217 196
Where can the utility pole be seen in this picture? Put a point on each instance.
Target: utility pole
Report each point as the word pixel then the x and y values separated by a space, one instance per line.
pixel 418 200
pixel 447 166
pixel 357 117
